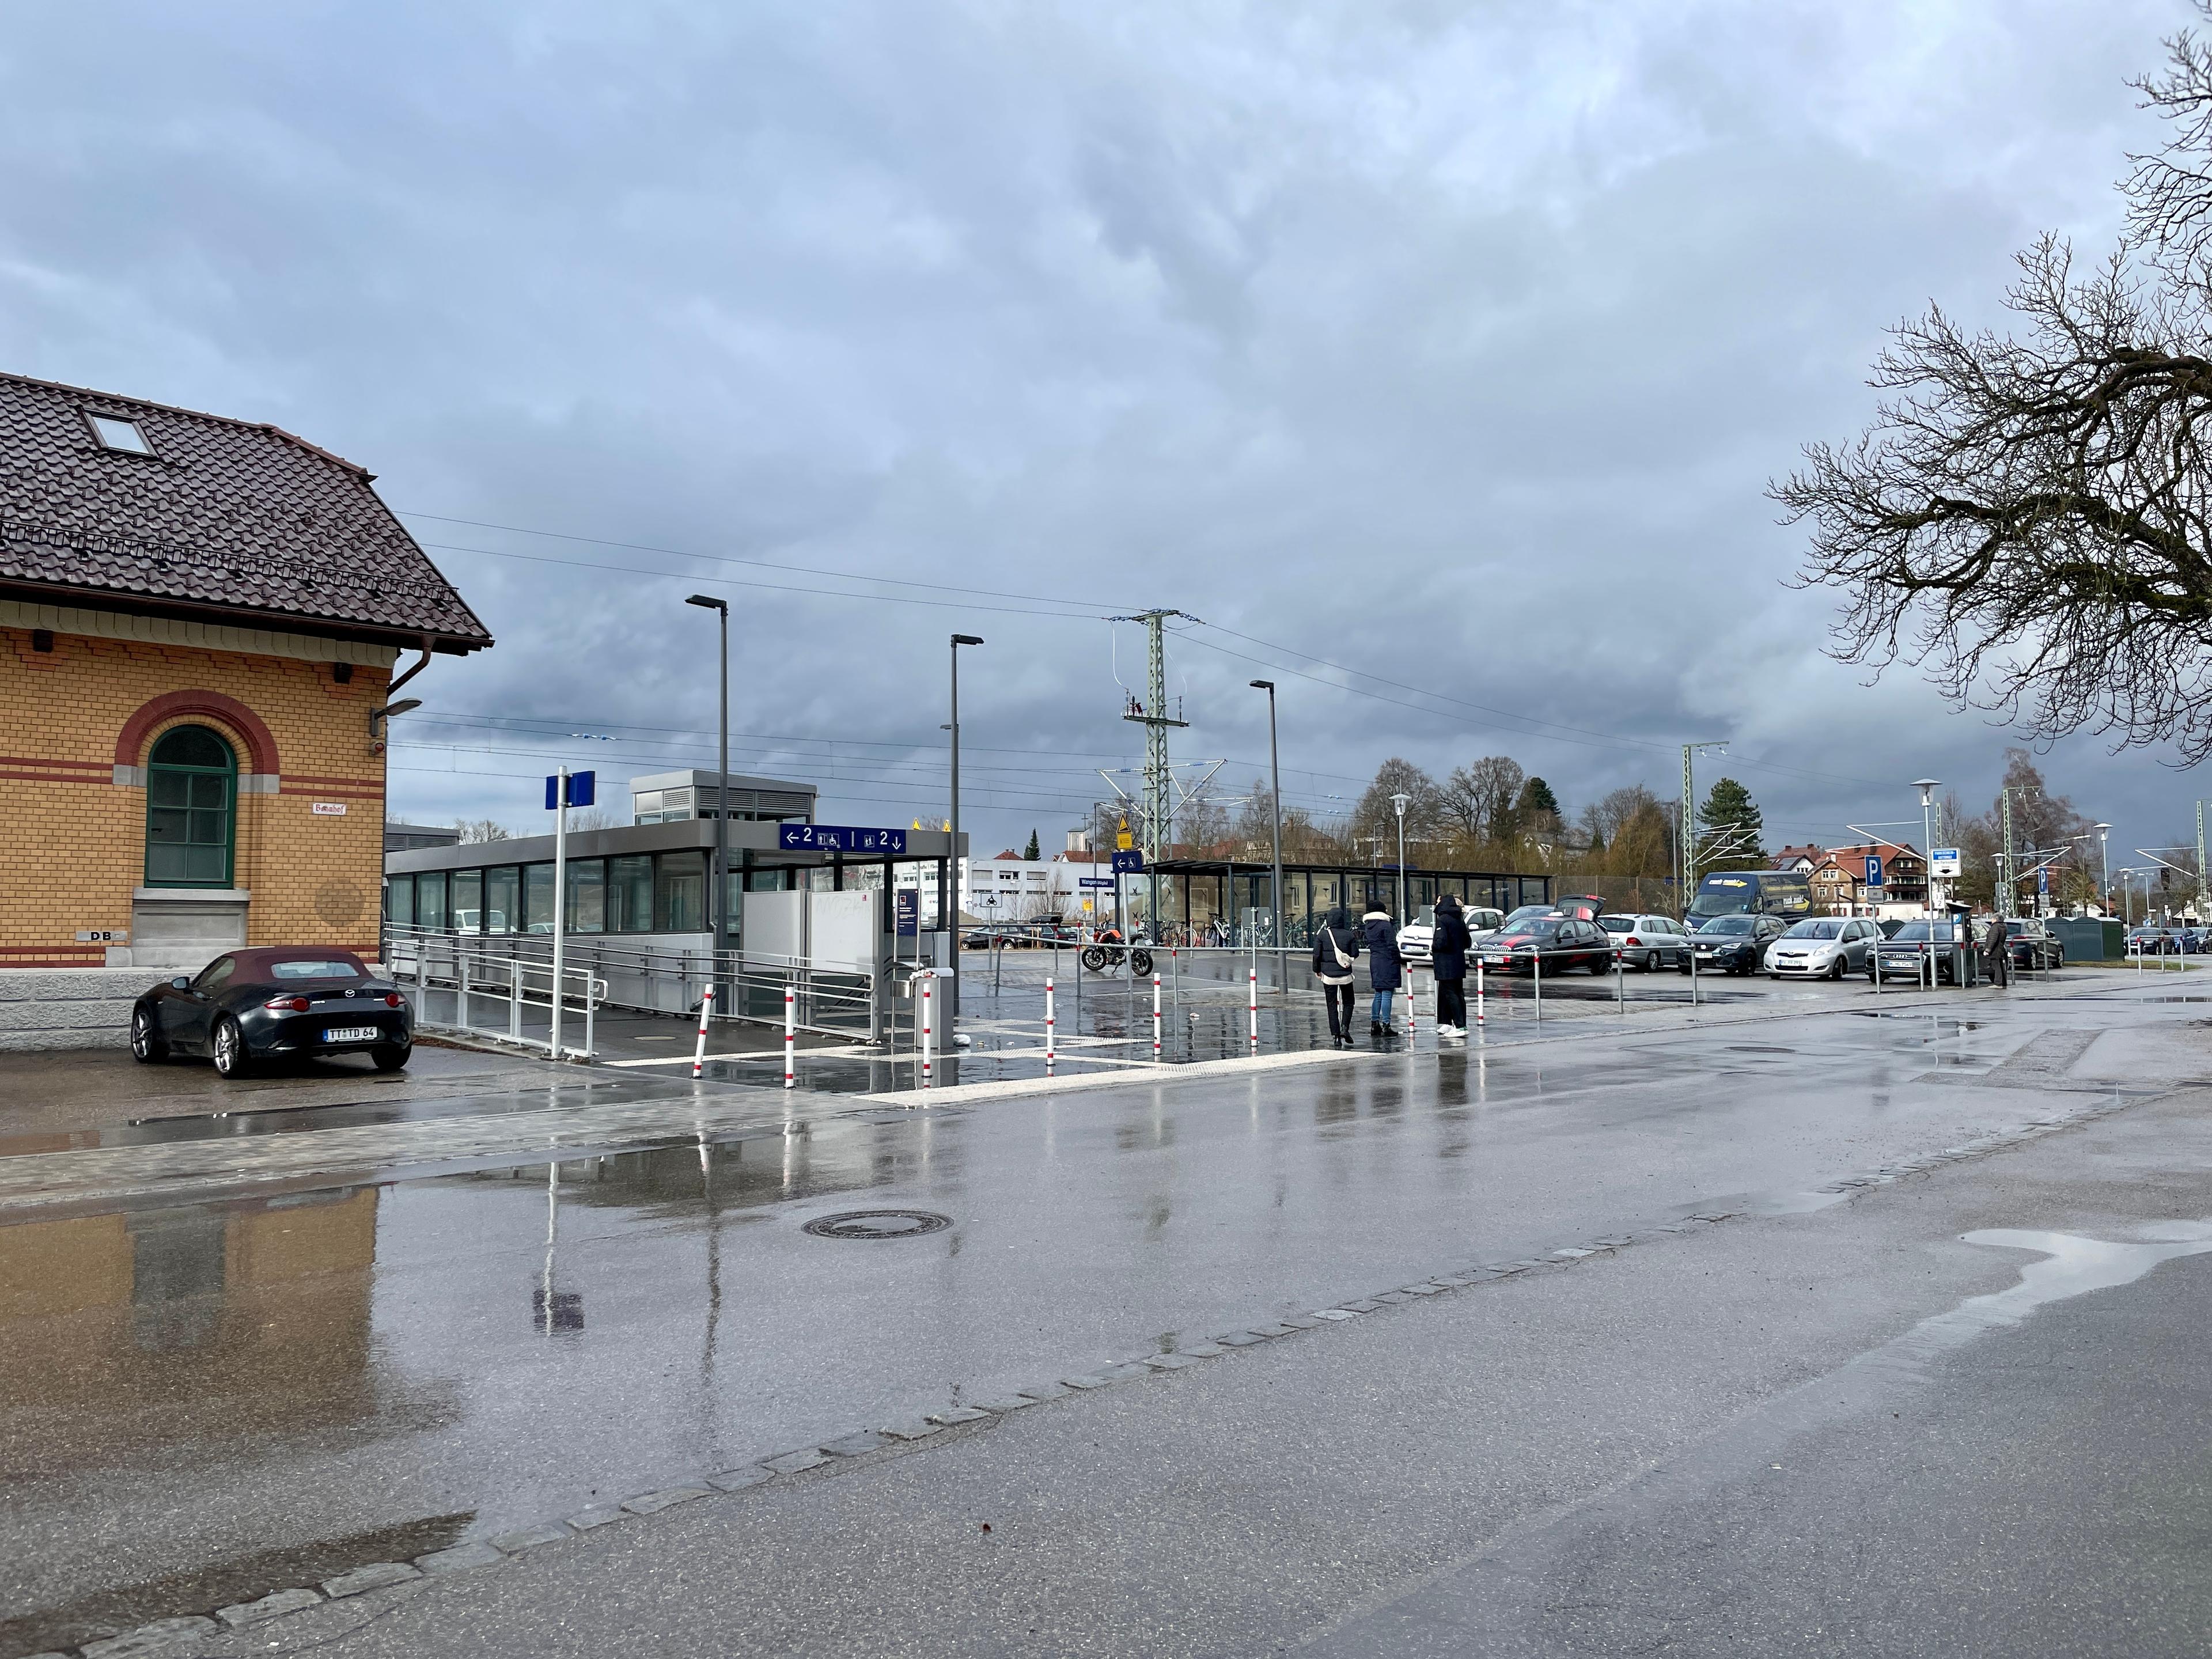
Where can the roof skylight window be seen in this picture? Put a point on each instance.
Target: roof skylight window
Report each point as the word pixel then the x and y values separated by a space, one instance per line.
pixel 116 433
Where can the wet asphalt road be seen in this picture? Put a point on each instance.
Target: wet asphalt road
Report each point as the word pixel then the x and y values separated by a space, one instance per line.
pixel 199 1403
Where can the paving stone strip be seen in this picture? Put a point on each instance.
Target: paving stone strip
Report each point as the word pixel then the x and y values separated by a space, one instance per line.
pixel 866 1446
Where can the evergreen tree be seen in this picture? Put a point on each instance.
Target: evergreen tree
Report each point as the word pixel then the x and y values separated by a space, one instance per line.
pixel 1731 826
pixel 1035 852
pixel 1538 808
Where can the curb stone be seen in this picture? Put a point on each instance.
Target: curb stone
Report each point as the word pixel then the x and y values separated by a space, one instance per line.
pixel 275 1605
pixel 375 1575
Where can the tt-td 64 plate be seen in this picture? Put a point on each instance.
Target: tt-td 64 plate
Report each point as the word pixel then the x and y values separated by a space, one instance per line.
pixel 351 1033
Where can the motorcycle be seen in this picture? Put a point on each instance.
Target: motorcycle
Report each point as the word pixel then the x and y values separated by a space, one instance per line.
pixel 1109 952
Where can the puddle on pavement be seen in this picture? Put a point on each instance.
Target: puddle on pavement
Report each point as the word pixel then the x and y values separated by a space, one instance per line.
pixel 2072 1266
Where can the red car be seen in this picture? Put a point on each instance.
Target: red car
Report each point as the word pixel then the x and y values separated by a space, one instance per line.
pixel 1563 944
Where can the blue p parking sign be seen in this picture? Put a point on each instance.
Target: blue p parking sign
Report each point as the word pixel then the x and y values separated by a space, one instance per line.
pixel 1874 870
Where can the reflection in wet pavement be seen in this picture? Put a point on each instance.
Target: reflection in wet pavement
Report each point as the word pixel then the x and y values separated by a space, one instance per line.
pixel 186 1385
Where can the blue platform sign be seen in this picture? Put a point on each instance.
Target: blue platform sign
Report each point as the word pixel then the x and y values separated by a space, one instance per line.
pixel 907 910
pixel 1095 881
pixel 838 838
pixel 1128 864
pixel 583 789
pixel 1874 870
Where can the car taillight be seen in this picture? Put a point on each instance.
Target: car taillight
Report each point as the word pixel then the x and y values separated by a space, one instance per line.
pixel 1632 939
pixel 285 1004
pixel 392 999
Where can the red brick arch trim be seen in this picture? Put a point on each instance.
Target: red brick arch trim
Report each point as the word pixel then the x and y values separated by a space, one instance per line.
pixel 260 743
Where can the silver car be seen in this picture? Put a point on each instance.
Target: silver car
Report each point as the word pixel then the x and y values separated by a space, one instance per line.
pixel 1823 947
pixel 1647 942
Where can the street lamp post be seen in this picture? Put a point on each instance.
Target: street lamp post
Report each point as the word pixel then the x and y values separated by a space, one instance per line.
pixel 717 892
pixel 1275 790
pixel 1401 801
pixel 2104 867
pixel 1926 788
pixel 952 849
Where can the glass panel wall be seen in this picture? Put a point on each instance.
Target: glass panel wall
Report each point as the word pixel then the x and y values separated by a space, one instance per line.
pixel 502 899
pixel 399 901
pixel 588 896
pixel 430 899
pixel 468 901
pixel 537 898
pixel 679 893
pixel 629 894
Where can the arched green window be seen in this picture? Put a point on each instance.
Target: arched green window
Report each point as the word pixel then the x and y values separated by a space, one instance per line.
pixel 192 808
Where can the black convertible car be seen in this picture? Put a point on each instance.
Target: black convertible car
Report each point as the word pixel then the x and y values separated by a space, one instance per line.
pixel 272 1002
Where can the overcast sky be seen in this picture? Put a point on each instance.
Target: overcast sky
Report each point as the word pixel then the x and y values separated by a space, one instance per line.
pixel 1449 343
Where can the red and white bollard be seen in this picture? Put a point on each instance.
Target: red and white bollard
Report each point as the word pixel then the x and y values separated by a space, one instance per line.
pixel 1048 1025
pixel 928 1032
pixel 1253 1007
pixel 699 1054
pixel 1480 1016
pixel 1155 1016
pixel 790 1035
pixel 1413 1005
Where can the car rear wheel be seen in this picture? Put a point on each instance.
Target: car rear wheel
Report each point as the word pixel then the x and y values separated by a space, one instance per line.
pixel 231 1059
pixel 391 1056
pixel 146 1045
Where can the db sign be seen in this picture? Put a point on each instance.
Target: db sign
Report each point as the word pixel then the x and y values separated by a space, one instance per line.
pixel 1943 862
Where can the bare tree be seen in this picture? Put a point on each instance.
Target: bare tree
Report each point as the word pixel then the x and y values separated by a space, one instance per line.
pixel 2030 516
pixel 1375 816
pixel 482 830
pixel 1478 799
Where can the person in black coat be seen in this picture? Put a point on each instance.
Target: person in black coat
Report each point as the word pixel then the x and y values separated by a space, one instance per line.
pixel 1335 953
pixel 1449 944
pixel 1385 966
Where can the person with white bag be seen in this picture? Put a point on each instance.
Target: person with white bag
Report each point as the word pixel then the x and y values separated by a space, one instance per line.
pixel 1335 952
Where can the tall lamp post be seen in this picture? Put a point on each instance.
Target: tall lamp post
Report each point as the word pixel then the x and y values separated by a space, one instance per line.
pixel 1275 790
pixel 1927 786
pixel 1401 801
pixel 2104 867
pixel 952 850
pixel 718 890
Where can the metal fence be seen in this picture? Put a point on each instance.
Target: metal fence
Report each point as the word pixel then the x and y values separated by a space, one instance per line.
pixel 749 986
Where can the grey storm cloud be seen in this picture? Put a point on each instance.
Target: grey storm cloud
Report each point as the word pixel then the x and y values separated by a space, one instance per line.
pixel 1453 343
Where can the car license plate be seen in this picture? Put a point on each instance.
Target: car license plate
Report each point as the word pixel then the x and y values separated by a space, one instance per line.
pixel 351 1033
pixel 1496 961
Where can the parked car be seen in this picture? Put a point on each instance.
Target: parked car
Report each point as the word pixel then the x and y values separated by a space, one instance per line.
pixel 1563 944
pixel 1826 947
pixel 2033 945
pixel 1903 957
pixel 275 1001
pixel 1734 945
pixel 2155 942
pixel 1647 942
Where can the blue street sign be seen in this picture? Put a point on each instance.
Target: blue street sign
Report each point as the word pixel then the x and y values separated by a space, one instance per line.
pixel 1874 870
pixel 583 789
pixel 1128 864
pixel 837 838
pixel 907 909
pixel 1095 881
pixel 2043 881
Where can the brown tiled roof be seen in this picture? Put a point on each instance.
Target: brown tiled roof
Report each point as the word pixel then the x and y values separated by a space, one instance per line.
pixel 227 521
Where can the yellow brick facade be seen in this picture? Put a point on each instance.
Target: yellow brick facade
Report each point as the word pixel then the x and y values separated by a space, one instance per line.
pixel 73 839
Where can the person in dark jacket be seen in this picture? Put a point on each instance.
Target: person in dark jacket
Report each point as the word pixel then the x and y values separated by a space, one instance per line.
pixel 1335 952
pixel 1448 947
pixel 1385 965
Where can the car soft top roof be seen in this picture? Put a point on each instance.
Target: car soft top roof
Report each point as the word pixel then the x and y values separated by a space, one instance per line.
pixel 257 961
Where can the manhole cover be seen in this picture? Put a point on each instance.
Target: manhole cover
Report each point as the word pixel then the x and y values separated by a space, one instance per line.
pixel 878 1223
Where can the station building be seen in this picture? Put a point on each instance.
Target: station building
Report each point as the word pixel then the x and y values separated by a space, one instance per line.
pixel 202 621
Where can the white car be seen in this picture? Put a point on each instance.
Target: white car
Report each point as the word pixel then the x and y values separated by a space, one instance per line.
pixel 1413 938
pixel 1647 942
pixel 1823 947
